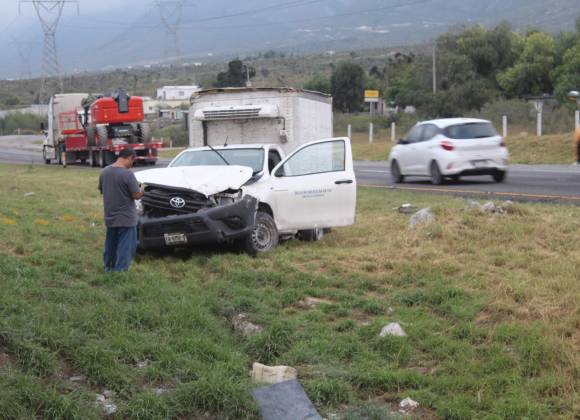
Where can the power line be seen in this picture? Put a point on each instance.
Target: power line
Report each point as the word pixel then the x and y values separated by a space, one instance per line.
pixel 171 14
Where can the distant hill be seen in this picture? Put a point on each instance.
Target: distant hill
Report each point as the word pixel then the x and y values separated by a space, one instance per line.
pixel 134 35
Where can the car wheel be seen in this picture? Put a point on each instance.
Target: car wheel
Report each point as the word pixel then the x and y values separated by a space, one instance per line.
pixel 396 173
pixel 311 235
pixel 436 176
pixel 263 238
pixel 499 176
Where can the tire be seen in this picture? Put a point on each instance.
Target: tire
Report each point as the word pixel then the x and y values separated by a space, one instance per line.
pixel 93 159
pixel 436 176
pixel 104 159
pixel 145 133
pixel 499 176
pixel 103 135
pixel 311 235
pixel 264 237
pixel 91 136
pixel 47 159
pixel 398 178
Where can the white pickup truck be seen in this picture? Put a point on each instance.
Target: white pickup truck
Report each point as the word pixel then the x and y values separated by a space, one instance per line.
pixel 250 194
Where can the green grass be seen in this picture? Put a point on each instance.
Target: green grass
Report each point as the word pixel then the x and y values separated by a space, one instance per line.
pixel 490 305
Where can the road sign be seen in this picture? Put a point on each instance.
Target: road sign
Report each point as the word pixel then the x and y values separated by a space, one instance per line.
pixel 372 95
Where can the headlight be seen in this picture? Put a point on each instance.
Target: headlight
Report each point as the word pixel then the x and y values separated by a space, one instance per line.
pixel 139 207
pixel 224 199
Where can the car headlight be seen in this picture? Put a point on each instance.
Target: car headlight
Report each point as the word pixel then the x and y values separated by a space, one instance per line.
pixel 139 207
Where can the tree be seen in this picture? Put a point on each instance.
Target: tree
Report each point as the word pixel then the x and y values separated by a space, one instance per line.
pixel 567 76
pixel 318 83
pixel 347 85
pixel 236 75
pixel 531 72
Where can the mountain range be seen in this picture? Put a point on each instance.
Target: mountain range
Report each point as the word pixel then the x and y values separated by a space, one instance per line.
pixel 131 34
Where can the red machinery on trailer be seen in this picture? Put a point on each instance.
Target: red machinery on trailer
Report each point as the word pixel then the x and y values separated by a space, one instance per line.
pixel 95 129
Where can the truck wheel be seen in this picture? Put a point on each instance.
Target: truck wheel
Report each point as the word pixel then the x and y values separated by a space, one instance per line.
pixel 91 136
pixel 311 235
pixel 103 135
pixel 145 131
pixel 264 238
pixel 106 158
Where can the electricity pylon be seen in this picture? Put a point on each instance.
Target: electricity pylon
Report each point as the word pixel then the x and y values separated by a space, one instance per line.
pixel 49 13
pixel 171 13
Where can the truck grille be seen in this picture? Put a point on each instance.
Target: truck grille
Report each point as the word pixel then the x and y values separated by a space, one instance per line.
pixel 227 114
pixel 164 201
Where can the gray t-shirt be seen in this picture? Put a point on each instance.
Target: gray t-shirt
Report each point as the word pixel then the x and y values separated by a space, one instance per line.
pixel 118 186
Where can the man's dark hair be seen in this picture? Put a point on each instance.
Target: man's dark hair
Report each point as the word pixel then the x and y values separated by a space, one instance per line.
pixel 127 153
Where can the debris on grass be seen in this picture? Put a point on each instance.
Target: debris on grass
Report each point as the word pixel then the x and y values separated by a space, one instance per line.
pixel 285 401
pixel 406 208
pixel 77 378
pixel 311 303
pixel 242 325
pixel 105 403
pixel 29 194
pixel 143 364
pixel 422 217
pixel 393 329
pixel 491 208
pixel 160 391
pixel 407 405
pixel 272 374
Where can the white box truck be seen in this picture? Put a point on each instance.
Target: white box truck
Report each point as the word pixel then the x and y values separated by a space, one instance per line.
pixel 285 116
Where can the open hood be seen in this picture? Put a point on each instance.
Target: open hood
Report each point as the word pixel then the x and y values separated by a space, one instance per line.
pixel 207 180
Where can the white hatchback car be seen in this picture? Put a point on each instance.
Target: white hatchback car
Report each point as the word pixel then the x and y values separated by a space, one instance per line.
pixel 450 148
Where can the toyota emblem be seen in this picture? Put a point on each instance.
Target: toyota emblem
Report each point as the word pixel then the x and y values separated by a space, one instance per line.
pixel 177 202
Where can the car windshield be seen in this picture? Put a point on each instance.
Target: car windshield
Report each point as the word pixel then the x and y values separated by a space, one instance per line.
pixel 253 158
pixel 470 131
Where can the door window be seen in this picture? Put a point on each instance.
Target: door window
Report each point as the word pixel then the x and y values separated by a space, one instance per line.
pixel 273 160
pixel 429 131
pixel 414 135
pixel 316 159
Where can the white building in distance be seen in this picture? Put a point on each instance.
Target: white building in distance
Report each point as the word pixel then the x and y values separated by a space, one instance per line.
pixel 171 94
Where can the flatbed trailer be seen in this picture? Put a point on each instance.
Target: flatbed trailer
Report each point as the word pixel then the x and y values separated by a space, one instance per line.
pixel 72 139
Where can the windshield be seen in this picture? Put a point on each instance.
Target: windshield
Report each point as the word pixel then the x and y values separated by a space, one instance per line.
pixel 470 131
pixel 253 158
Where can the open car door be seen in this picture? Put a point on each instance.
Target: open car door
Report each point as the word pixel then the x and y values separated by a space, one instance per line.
pixel 315 187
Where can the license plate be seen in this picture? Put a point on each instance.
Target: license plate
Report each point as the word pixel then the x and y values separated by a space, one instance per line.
pixel 479 163
pixel 175 239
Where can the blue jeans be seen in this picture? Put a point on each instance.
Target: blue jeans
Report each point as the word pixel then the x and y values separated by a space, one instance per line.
pixel 120 247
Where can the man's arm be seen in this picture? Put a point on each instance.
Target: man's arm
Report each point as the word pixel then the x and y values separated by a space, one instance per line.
pixel 137 191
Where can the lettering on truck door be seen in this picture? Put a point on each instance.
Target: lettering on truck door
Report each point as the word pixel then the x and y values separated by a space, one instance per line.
pixel 316 187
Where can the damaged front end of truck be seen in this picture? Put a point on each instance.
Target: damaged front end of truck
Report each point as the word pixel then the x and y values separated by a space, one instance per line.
pixel 186 207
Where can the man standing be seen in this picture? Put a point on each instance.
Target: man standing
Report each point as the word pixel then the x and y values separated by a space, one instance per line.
pixel 120 189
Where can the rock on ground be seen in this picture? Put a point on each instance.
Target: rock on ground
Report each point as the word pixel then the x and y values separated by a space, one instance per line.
pixel 408 405
pixel 422 217
pixel 311 303
pixel 242 325
pixel 393 329
pixel 272 374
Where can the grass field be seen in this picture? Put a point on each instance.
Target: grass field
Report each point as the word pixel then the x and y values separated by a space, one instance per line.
pixel 557 148
pixel 490 305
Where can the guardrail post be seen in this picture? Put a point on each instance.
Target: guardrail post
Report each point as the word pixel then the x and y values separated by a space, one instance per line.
pixel 539 131
pixel 393 132
pixel 577 121
pixel 349 131
pixel 371 132
pixel 504 120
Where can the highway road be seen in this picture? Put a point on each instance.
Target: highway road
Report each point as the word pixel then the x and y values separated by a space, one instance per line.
pixel 554 183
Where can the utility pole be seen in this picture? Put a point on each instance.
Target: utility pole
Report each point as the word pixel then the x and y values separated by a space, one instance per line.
pixel 434 68
pixel 171 13
pixel 49 13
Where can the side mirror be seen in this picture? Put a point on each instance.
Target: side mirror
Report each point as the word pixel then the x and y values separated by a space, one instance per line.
pixel 403 141
pixel 280 172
